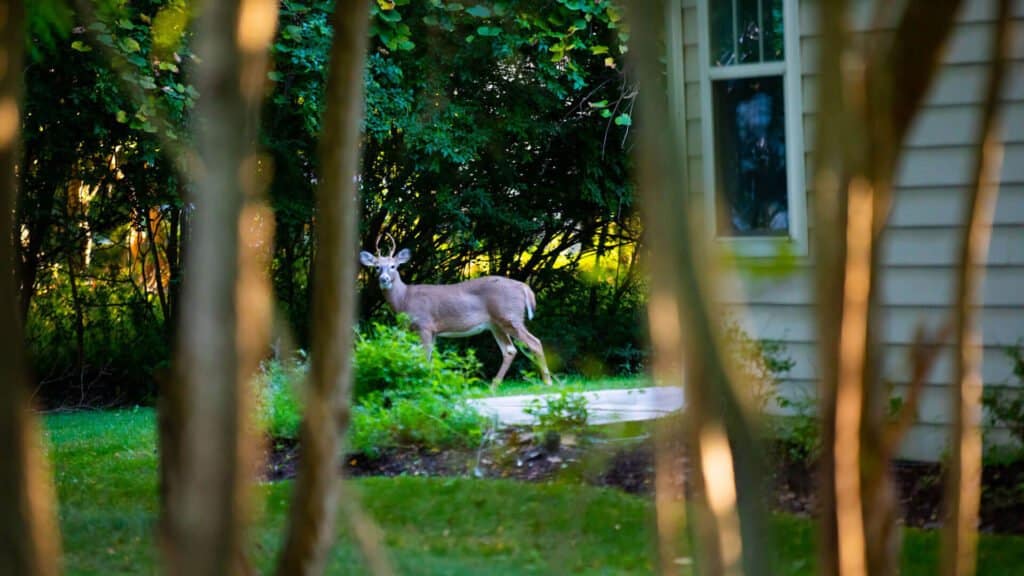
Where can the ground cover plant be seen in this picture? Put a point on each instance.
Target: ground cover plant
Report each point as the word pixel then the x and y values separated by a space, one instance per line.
pixel 105 469
pixel 399 398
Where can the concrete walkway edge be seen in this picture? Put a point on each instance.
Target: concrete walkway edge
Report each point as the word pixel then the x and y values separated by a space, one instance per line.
pixel 603 406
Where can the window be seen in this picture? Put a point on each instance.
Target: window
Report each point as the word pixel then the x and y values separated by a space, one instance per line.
pixel 752 124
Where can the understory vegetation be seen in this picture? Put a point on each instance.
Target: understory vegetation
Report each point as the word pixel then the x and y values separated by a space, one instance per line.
pixel 399 398
pixel 402 400
pixel 1005 406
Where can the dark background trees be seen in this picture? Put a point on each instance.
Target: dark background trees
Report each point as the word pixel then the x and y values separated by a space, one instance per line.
pixel 494 141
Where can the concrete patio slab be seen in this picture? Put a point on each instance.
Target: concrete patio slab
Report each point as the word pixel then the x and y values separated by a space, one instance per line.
pixel 603 406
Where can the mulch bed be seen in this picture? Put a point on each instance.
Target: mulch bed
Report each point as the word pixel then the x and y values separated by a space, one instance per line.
pixel 628 465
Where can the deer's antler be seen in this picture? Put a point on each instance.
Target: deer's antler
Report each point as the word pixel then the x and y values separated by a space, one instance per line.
pixel 393 245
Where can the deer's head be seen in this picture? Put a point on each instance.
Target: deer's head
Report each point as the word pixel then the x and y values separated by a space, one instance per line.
pixel 387 266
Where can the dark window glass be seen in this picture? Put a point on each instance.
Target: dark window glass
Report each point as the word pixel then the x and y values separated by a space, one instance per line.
pixel 746 31
pixel 750 153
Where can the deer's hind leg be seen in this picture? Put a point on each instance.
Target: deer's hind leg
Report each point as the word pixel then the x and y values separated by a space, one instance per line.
pixel 508 353
pixel 519 332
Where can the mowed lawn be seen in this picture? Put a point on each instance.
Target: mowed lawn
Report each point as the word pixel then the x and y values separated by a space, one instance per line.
pixel 106 470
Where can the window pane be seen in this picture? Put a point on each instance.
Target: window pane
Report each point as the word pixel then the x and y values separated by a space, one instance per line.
pixel 773 30
pixel 750 153
pixel 746 31
pixel 722 36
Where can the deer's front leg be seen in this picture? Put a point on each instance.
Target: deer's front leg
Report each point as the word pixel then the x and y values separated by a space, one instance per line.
pixel 427 339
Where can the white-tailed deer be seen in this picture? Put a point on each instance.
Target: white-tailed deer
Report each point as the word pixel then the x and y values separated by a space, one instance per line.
pixel 458 310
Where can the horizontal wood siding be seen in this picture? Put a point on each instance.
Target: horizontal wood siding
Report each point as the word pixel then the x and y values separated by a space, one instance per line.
pixel 919 260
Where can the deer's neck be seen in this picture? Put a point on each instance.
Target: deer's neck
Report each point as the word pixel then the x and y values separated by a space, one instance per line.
pixel 396 296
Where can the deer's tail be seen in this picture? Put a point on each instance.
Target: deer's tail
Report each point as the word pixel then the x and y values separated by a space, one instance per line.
pixel 531 301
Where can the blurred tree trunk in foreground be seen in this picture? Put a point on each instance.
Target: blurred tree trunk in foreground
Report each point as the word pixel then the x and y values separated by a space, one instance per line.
pixel 29 542
pixel 730 522
pixel 963 481
pixel 314 506
pixel 207 456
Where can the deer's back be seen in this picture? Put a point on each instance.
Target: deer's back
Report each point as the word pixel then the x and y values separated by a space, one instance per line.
pixel 468 304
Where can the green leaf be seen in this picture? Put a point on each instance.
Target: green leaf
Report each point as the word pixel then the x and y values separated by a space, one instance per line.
pixel 606 113
pixel 122 116
pixel 599 49
pixel 598 104
pixel 80 46
pixel 130 45
pixel 274 76
pixel 623 120
pixel 479 11
pixel 488 31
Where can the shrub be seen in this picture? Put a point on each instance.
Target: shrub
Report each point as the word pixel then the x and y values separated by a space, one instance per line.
pixel 763 363
pixel 560 412
pixel 429 418
pixel 1005 407
pixel 278 405
pixel 390 358
pixel 399 399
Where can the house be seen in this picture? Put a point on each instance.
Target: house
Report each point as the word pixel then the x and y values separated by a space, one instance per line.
pixel 744 75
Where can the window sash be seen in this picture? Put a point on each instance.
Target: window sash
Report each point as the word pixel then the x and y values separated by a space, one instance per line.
pixel 747 71
pixel 789 68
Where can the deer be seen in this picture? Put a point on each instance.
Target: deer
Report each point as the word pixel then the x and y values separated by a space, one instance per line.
pixel 495 303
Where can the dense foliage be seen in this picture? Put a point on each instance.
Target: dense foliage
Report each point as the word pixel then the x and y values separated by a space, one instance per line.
pixel 399 399
pixel 495 141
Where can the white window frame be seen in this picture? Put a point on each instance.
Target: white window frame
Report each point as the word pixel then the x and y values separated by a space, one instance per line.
pixel 758 246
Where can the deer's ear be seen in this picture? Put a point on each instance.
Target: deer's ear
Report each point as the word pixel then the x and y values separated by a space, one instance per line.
pixel 367 259
pixel 403 256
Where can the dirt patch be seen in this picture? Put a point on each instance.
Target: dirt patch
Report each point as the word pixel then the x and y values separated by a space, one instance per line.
pixel 628 464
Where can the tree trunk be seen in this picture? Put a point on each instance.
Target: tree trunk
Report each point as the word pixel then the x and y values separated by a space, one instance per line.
pixel 28 534
pixel 314 504
pixel 731 524
pixel 207 456
pixel 76 302
pixel 161 293
pixel 963 480
pixel 871 96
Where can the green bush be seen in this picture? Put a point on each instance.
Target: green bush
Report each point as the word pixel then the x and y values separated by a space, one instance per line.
pixel 429 418
pixel 562 412
pixel 763 363
pixel 1005 407
pixel 399 399
pixel 279 407
pixel 390 358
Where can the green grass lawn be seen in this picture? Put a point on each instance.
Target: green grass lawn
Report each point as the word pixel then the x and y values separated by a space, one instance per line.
pixel 105 465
